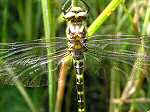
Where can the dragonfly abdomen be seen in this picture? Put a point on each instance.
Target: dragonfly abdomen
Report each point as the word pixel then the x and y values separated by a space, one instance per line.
pixel 79 67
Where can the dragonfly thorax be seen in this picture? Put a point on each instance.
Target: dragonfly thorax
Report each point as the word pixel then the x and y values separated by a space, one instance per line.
pixel 76 31
pixel 77 45
pixel 77 39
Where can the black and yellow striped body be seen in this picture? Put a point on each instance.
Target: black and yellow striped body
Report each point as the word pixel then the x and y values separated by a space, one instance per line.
pixel 76 34
pixel 79 67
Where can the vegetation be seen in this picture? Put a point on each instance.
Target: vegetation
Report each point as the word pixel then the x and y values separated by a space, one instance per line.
pixel 110 86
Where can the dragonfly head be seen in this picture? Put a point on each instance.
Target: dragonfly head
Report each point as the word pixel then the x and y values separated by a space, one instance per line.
pixel 76 14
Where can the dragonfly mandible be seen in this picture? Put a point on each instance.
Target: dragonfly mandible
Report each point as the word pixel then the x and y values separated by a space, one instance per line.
pixel 27 61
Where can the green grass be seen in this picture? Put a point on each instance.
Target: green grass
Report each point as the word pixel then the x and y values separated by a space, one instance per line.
pixel 49 27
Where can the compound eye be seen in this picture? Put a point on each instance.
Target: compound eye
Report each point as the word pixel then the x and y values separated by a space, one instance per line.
pixel 69 15
pixel 82 14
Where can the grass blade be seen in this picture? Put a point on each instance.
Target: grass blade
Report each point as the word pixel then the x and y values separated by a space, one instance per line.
pixel 5 16
pixel 103 16
pixel 49 26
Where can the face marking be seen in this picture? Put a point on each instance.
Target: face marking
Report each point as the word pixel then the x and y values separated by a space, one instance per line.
pixel 76 14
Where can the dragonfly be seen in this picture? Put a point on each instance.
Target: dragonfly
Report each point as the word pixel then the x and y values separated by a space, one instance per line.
pixel 28 61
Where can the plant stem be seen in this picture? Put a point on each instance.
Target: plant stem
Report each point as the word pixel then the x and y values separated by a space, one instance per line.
pixel 103 16
pixel 65 67
pixel 114 86
pixel 19 86
pixel 49 26
pixel 145 31
pixel 146 20
pixel 28 20
pixel 25 96
pixel 74 3
pixel 137 77
pixel 4 27
pixel 38 18
pixel 21 12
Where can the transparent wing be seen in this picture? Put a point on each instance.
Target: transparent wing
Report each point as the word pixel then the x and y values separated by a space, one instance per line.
pixel 125 49
pixel 27 62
